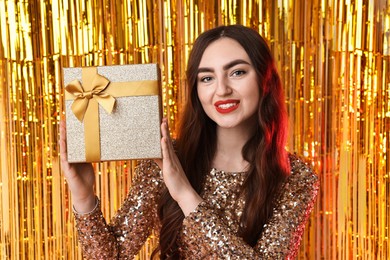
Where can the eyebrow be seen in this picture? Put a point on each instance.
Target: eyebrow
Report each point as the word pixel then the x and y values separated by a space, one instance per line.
pixel 225 67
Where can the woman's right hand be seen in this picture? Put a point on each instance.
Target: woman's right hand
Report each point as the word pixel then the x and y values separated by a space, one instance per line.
pixel 79 176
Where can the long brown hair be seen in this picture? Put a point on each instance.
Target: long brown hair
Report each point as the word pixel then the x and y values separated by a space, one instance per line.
pixel 265 150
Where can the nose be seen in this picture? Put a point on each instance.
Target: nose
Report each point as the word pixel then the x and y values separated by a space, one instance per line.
pixel 223 87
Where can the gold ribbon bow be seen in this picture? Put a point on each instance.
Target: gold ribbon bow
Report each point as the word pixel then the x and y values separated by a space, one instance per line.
pixel 95 90
pixel 82 97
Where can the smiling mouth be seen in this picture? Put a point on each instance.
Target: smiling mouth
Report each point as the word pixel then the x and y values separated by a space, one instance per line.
pixel 226 106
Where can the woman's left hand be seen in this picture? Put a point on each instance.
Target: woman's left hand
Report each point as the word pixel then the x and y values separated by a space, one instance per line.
pixel 174 177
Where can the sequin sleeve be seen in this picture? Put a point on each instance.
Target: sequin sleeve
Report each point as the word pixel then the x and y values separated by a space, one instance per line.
pixel 282 234
pixel 123 237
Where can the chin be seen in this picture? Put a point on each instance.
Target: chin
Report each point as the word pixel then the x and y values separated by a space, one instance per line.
pixel 226 125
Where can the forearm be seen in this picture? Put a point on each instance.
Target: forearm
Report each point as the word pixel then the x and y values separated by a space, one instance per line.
pixel 94 235
pixel 130 226
pixel 205 229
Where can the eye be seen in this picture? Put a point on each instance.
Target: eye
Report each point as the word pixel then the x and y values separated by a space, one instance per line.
pixel 205 79
pixel 238 73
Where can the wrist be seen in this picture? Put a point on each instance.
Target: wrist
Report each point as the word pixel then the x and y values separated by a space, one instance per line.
pixel 85 205
pixel 189 202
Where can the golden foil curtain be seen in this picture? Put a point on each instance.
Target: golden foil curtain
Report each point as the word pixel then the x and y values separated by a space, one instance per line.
pixel 334 58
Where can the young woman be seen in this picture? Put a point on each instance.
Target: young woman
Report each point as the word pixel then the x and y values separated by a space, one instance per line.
pixel 227 189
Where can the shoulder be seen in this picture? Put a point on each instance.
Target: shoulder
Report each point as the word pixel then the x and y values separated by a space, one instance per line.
pixel 301 173
pixel 299 191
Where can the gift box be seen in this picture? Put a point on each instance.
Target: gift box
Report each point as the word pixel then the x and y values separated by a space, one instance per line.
pixel 112 112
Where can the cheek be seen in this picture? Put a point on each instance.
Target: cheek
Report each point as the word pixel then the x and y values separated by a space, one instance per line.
pixel 205 100
pixel 253 98
pixel 203 96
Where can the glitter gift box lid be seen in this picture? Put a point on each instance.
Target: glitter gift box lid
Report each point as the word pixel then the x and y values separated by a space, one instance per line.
pixel 132 130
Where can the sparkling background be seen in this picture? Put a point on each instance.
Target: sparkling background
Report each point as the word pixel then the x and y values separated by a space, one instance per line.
pixel 334 58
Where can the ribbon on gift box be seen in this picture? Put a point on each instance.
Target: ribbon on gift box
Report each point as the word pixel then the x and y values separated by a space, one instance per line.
pixel 94 90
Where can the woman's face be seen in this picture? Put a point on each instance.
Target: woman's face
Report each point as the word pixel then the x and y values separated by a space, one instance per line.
pixel 227 84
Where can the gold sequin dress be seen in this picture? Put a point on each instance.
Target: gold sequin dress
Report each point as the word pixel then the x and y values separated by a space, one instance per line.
pixel 210 231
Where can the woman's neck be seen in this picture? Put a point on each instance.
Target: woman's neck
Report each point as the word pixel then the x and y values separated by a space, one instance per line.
pixel 228 156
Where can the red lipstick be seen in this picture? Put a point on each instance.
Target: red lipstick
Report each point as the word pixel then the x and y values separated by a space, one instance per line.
pixel 226 106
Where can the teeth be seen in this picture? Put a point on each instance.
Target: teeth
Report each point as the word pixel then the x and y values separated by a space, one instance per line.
pixel 226 106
